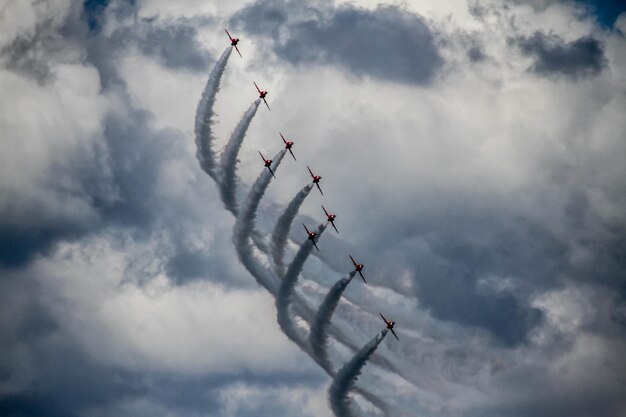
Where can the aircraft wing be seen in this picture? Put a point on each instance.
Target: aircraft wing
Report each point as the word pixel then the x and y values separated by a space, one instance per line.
pixel 334 227
pixel 362 277
pixel 294 157
pixel 394 333
pixel 271 172
pixel 318 187
pixel 268 106
pixel 310 172
pixel 262 157
pixel 238 51
pixel 229 37
pixel 257 87
pixel 314 244
pixel 305 228
pixel 284 140
pixel 381 315
pixel 354 263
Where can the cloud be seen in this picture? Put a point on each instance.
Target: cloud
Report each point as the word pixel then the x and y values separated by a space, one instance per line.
pixel 581 58
pixel 349 37
pixel 175 43
pixel 487 207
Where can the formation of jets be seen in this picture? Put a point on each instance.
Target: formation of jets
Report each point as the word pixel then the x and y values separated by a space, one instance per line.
pixel 311 235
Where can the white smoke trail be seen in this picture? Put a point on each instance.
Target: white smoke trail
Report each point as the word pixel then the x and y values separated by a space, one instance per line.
pixel 347 376
pixel 244 226
pixel 281 230
pixel 318 337
pixel 228 160
pixel 204 115
pixel 287 286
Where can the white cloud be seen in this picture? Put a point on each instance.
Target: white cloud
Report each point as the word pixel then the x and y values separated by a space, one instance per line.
pixel 198 328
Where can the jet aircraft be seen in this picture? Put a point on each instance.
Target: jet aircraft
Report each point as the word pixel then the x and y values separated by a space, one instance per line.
pixel 234 42
pixel 262 94
pixel 331 219
pixel 390 325
pixel 267 163
pixel 316 179
pixel 311 237
pixel 288 145
pixel 358 268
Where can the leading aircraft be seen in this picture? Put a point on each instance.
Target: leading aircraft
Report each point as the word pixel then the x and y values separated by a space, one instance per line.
pixel 331 219
pixel 311 237
pixel 316 179
pixel 288 145
pixel 358 268
pixel 268 164
pixel 234 42
pixel 390 325
pixel 262 94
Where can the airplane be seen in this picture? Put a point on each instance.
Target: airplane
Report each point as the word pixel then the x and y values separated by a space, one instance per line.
pixel 331 219
pixel 288 145
pixel 268 164
pixel 358 268
pixel 233 42
pixel 311 237
pixel 316 179
pixel 262 94
pixel 390 325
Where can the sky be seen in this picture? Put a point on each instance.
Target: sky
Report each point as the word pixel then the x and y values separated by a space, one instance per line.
pixel 473 151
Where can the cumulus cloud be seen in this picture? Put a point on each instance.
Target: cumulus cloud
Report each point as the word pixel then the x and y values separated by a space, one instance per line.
pixel 583 57
pixel 350 37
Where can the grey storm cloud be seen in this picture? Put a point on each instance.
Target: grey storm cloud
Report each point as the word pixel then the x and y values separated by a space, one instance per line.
pixel 352 38
pixel 583 57
pixel 174 43
pixel 29 53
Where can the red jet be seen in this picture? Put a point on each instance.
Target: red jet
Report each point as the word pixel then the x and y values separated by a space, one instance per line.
pixel 358 268
pixel 311 237
pixel 234 42
pixel 262 94
pixel 390 325
pixel 316 179
pixel 331 219
pixel 288 145
pixel 268 164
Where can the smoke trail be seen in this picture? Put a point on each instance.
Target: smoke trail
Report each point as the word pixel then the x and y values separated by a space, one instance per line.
pixel 281 231
pixel 228 161
pixel 244 226
pixel 318 338
pixel 285 292
pixel 348 375
pixel 204 114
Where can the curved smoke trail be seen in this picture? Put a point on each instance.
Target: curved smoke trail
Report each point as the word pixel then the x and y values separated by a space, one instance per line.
pixel 281 230
pixel 244 226
pixel 204 114
pixel 287 286
pixel 348 375
pixel 228 160
pixel 318 337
